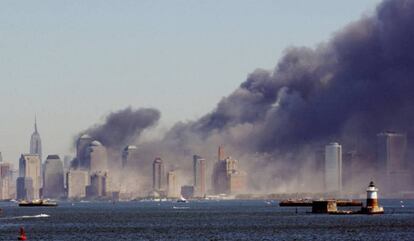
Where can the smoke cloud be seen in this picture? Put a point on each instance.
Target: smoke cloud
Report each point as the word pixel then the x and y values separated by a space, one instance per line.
pixel 123 127
pixel 347 89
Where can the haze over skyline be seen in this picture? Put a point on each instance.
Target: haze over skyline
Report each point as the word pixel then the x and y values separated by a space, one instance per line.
pixel 73 63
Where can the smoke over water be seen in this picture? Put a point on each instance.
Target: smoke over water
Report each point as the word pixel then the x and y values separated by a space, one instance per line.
pixel 357 84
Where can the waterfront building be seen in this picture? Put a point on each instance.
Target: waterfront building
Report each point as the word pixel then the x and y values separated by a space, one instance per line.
pixel 172 185
pixel 82 152
pixel 391 165
pixel 77 180
pixel 128 155
pixel 98 185
pixel 36 142
pixel 227 177
pixel 53 177
pixel 158 176
pixel 30 174
pixel 98 157
pixel 5 181
pixel 187 191
pixel 199 174
pixel 333 167
pixel 25 190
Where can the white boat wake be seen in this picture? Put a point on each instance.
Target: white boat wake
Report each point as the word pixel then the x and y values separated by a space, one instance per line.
pixel 42 215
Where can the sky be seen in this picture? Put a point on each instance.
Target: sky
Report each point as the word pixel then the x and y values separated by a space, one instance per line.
pixel 71 63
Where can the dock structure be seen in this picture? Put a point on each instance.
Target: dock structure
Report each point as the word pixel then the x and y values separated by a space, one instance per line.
pixel 331 206
pixel 322 206
pixel 310 203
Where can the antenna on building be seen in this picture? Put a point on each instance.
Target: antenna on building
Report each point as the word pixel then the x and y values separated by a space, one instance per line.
pixel 35 123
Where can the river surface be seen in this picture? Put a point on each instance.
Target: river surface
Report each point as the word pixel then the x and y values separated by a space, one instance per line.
pixel 202 220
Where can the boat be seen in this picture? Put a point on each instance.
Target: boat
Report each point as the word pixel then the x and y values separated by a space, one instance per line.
pixel 37 203
pixel 182 200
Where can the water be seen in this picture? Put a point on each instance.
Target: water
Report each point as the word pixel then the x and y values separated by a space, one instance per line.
pixel 204 220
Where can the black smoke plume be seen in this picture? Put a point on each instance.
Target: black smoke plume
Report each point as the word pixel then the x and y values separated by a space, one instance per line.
pixel 347 89
pixel 122 127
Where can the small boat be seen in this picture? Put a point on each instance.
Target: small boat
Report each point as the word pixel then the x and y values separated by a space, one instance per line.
pixel 182 200
pixel 37 203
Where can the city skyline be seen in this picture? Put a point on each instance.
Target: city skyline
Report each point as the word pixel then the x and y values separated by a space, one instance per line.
pixel 31 86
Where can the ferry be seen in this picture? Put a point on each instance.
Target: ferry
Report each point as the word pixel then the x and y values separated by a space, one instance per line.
pixel 37 203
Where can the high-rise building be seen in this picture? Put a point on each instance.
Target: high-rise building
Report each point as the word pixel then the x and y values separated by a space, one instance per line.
pixel 53 177
pixel 158 177
pixel 98 157
pixel 77 180
pixel 25 190
pixel 5 181
pixel 30 173
pixel 333 167
pixel 36 142
pixel 391 163
pixel 227 178
pixel 172 185
pixel 199 171
pixel 82 152
pixel 128 155
pixel 98 186
pixel 67 159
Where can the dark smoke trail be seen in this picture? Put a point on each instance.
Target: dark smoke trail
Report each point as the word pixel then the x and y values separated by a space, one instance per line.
pixel 123 127
pixel 359 83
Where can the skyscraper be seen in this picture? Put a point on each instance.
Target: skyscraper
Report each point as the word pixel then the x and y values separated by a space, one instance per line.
pixel 29 180
pixel 199 171
pixel 172 185
pixel 53 178
pixel 128 155
pixel 82 151
pixel 77 180
pixel 98 186
pixel 158 177
pixel 5 180
pixel 36 142
pixel 227 178
pixel 333 167
pixel 98 158
pixel 391 165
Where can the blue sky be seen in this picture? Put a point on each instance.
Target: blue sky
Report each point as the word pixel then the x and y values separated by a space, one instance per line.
pixel 73 62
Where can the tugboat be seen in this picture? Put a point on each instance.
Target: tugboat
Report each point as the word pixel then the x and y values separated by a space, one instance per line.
pixel 37 203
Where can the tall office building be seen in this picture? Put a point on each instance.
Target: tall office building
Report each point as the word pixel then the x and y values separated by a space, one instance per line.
pixel 172 185
pixel 77 181
pixel 333 167
pixel 391 164
pixel 5 181
pixel 158 178
pixel 36 142
pixel 82 152
pixel 98 185
pixel 29 180
pixel 199 171
pixel 53 177
pixel 128 155
pixel 98 157
pixel 227 177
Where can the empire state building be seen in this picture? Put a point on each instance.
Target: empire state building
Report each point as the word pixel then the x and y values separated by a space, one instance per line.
pixel 35 142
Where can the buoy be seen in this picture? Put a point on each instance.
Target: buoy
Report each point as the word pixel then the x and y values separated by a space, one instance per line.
pixel 22 234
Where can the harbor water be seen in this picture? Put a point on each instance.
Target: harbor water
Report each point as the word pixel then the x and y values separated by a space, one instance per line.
pixel 202 220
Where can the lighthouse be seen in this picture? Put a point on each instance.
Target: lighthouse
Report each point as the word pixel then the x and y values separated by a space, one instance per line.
pixel 372 206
